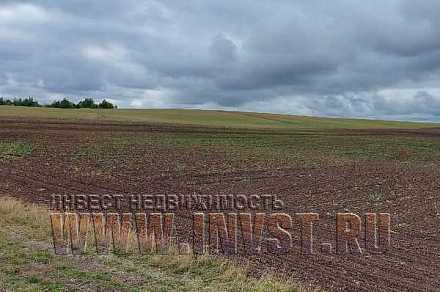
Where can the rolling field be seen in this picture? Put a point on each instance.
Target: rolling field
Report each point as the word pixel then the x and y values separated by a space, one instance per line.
pixel 313 164
pixel 224 119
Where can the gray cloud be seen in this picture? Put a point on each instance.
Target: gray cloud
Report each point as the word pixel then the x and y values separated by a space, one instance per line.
pixel 344 58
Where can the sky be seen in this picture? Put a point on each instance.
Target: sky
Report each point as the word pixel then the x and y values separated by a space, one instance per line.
pixel 348 58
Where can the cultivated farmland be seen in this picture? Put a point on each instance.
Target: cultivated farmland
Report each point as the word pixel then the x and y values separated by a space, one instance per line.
pixel 313 164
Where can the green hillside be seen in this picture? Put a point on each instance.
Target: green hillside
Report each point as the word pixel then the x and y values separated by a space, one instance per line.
pixel 204 118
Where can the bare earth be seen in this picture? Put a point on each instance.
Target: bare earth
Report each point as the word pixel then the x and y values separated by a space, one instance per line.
pixel 122 158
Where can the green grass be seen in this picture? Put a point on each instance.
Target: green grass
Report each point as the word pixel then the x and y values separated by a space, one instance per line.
pixel 204 118
pixel 8 149
pixel 28 264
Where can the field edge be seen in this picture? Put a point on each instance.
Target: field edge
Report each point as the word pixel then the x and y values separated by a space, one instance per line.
pixel 30 264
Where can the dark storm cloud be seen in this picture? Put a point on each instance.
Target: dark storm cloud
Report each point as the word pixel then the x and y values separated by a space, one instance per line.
pixel 345 58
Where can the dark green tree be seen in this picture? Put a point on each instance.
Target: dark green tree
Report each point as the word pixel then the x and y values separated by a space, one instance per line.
pixel 106 105
pixel 17 101
pixel 87 103
pixel 64 103
pixel 30 101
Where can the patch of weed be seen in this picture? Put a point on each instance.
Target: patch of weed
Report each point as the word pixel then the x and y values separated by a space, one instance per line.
pixel 8 149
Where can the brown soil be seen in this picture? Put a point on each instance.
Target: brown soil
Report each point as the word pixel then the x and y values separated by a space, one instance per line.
pixel 409 192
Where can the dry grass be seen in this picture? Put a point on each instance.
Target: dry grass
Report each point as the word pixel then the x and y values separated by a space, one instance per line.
pixel 25 218
pixel 29 264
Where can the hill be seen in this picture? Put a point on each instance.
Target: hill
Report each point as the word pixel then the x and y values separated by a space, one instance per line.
pixel 210 118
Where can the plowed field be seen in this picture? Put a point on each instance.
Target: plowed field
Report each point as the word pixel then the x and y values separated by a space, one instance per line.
pixel 359 171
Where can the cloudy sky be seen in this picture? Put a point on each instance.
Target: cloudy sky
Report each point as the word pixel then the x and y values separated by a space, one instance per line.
pixel 378 59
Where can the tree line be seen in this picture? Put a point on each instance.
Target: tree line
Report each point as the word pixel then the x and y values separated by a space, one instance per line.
pixel 63 103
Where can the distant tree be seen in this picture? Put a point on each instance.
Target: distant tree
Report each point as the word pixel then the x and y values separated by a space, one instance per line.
pixel 55 104
pixel 87 103
pixel 30 101
pixel 106 105
pixel 17 101
pixel 64 103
